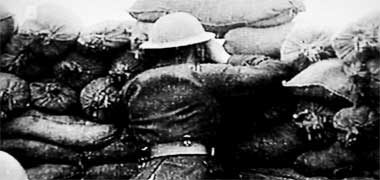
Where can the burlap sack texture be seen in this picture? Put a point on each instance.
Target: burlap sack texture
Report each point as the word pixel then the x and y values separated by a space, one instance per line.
pixel 277 147
pixel 70 131
pixel 51 137
pixel 310 41
pixel 14 94
pixel 53 171
pixel 32 152
pixel 359 37
pixel 125 67
pixel 77 70
pixel 111 171
pixel 315 118
pixel 274 174
pixel 104 154
pixel 328 78
pixel 18 59
pixel 48 33
pixel 53 30
pixel 7 26
pixel 262 41
pixel 100 172
pixel 99 98
pixel 53 97
pixel 326 161
pixel 328 74
pixel 220 16
pixel 105 37
pixel 358 46
pixel 359 127
pixel 119 154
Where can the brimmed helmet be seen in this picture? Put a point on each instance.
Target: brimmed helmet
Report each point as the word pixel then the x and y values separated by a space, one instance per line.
pixel 10 168
pixel 176 30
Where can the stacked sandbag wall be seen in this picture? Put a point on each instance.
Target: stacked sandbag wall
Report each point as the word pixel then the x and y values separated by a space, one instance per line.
pixel 59 90
pixel 249 27
pixel 346 84
pixel 59 82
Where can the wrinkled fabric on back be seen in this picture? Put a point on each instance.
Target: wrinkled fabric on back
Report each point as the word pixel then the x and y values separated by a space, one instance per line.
pixel 221 15
pixel 168 103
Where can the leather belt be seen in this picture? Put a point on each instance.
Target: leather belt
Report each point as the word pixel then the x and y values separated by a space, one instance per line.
pixel 178 148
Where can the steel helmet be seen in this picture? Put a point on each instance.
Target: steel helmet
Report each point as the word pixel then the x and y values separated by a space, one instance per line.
pixel 175 30
pixel 10 168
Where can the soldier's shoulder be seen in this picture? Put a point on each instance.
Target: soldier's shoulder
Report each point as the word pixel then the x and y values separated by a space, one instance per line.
pixel 178 71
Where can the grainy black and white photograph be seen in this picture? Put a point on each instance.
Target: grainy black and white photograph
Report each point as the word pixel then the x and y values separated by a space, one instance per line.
pixel 189 89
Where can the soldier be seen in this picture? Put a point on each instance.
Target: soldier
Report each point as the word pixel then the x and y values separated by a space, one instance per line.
pixel 173 109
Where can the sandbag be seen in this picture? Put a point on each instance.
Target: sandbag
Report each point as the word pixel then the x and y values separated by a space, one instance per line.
pixel 240 120
pixel 360 178
pixel 359 39
pixel 7 26
pixel 309 41
pixel 328 74
pixel 360 126
pixel 319 94
pixel 140 33
pixel 111 171
pixel 274 174
pixel 125 67
pixel 53 172
pixel 264 41
pixel 365 75
pixel 31 152
pixel 277 147
pixel 99 100
pixel 52 97
pixel 220 16
pixel 77 70
pixel 14 94
pixel 328 162
pixel 61 130
pixel 248 60
pixel 371 159
pixel 52 28
pixel 119 151
pixel 19 60
pixel 105 37
pixel 373 91
pixel 316 120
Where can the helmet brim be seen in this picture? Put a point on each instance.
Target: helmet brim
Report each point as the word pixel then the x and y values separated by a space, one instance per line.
pixel 206 36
